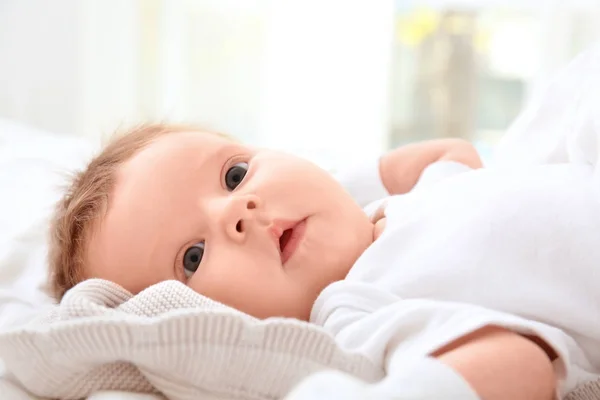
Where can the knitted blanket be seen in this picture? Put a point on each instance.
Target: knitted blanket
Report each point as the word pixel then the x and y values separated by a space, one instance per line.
pixel 170 340
pixel 167 339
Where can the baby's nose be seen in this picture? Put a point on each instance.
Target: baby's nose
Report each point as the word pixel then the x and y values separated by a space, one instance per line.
pixel 242 214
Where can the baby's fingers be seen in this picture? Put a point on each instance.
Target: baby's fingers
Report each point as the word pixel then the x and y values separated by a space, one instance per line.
pixel 379 213
pixel 378 228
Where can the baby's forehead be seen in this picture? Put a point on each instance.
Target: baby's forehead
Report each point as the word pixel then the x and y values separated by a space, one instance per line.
pixel 152 177
pixel 172 156
pixel 177 144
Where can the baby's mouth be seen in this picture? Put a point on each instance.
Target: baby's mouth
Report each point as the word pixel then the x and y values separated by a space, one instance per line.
pixel 285 239
pixel 289 236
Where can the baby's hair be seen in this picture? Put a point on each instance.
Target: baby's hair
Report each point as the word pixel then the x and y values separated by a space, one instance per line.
pixel 87 199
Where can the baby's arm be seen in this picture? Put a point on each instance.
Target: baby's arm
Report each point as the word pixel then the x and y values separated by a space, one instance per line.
pixel 499 364
pixel 401 168
pixel 493 364
pixel 397 171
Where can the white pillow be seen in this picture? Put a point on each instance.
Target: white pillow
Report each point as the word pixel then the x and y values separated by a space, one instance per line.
pixel 33 166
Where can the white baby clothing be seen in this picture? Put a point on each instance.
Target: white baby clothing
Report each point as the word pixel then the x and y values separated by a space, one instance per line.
pixel 511 247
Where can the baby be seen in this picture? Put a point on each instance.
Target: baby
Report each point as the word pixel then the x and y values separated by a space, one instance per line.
pixel 162 200
pixel 274 235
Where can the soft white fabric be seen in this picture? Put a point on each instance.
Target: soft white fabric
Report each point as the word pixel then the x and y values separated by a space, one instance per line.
pixel 167 339
pixel 363 181
pixel 439 171
pixel 373 200
pixel 33 167
pixel 421 379
pixel 568 105
pixel 514 247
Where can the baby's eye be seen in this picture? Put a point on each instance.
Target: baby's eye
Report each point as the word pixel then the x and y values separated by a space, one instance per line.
pixel 192 259
pixel 235 175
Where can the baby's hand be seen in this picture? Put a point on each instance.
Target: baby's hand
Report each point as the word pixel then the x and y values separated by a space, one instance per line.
pixel 401 168
pixel 378 219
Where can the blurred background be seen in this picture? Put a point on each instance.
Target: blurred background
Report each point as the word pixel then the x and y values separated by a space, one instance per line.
pixel 326 79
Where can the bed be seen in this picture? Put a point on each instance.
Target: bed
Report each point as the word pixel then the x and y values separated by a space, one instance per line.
pixel 32 163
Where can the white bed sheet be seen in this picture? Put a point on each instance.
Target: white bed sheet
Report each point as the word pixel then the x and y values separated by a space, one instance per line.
pixel 10 391
pixel 31 166
pixel 32 169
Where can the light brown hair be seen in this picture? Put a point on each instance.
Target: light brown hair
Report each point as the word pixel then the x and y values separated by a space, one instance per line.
pixel 87 199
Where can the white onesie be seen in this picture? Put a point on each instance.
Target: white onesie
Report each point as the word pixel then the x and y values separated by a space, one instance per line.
pixel 517 248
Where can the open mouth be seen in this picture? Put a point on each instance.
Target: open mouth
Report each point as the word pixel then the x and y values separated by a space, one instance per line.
pixel 289 240
pixel 285 238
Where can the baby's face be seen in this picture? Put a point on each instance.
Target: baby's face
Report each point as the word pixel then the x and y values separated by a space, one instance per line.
pixel 258 230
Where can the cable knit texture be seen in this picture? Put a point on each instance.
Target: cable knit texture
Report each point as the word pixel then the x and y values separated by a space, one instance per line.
pixel 587 391
pixel 167 339
pixel 170 340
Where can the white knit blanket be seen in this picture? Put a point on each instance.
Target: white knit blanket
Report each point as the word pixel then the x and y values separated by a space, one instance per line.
pixel 167 339
pixel 170 340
